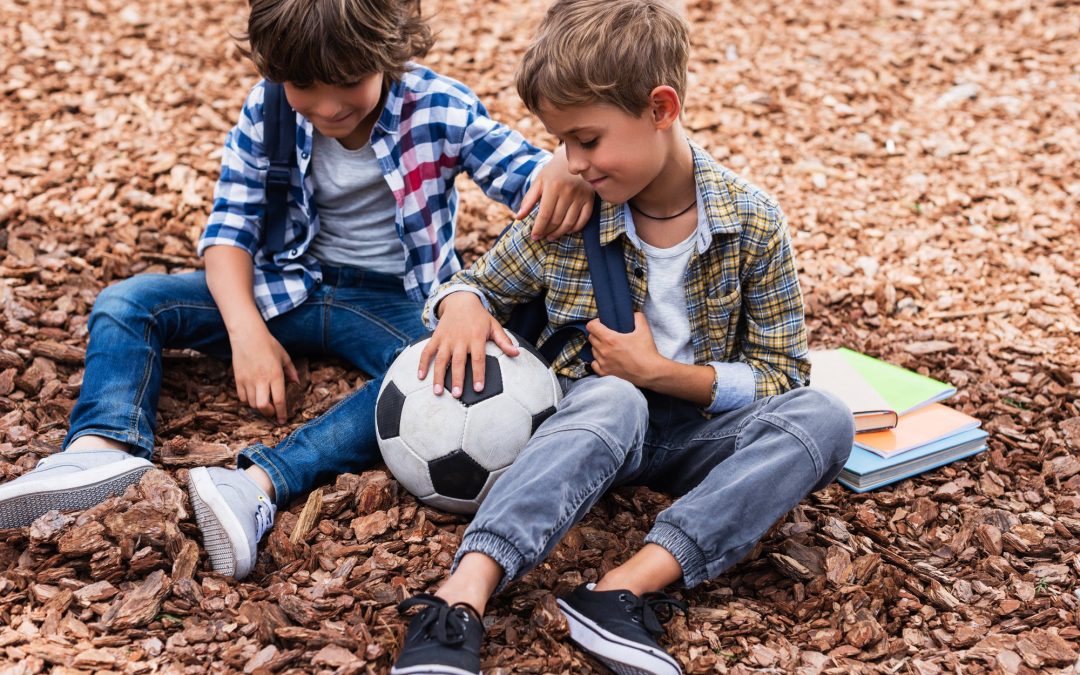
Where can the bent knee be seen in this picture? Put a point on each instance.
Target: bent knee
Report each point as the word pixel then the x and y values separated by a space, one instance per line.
pixel 827 420
pixel 121 299
pixel 617 394
pixel 144 294
pixel 610 403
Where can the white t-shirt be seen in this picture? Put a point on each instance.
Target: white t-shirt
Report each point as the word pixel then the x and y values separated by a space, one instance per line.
pixel 357 210
pixel 665 298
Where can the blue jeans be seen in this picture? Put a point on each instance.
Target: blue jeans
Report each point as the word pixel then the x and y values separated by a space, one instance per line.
pixel 362 317
pixel 734 475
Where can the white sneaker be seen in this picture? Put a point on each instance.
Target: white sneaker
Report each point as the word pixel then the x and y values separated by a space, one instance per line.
pixel 233 514
pixel 68 481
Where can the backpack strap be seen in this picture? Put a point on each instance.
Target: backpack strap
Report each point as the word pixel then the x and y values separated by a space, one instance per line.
pixel 279 141
pixel 607 267
pixel 614 304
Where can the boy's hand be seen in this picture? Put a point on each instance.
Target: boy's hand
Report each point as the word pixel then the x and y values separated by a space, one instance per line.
pixel 463 331
pixel 566 200
pixel 261 365
pixel 630 356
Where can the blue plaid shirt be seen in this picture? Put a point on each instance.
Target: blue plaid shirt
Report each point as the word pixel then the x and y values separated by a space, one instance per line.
pixel 431 129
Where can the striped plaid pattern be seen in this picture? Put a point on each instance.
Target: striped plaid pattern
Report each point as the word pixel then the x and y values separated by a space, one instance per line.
pixel 742 291
pixel 431 129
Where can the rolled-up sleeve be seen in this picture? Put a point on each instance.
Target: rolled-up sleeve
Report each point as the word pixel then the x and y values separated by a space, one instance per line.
pixel 236 218
pixel 509 274
pixel 775 342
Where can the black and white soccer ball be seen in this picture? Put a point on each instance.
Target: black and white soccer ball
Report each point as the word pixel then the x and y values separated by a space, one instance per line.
pixel 449 451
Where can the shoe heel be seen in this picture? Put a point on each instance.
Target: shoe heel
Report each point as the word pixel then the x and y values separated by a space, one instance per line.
pixel 215 540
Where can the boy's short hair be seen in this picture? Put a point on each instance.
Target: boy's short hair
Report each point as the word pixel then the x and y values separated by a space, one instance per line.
pixel 334 41
pixel 605 51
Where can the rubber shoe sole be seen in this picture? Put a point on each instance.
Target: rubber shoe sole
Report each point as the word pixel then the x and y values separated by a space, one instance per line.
pixel 430 670
pixel 224 538
pixel 623 656
pixel 22 504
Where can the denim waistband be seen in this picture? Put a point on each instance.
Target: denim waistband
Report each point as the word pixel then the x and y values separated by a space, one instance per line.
pixel 355 276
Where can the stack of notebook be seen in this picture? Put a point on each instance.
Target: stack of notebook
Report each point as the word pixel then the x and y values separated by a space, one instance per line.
pixel 901 428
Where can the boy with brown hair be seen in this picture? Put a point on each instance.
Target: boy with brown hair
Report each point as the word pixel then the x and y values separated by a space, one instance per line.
pixel 367 233
pixel 704 399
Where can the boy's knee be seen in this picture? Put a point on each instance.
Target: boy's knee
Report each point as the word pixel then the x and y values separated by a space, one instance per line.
pixel 829 422
pixel 617 396
pixel 610 403
pixel 120 300
pixel 138 296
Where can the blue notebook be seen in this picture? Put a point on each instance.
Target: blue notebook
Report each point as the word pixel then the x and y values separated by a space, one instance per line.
pixel 865 471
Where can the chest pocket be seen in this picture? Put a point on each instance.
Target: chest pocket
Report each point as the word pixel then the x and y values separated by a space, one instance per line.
pixel 723 321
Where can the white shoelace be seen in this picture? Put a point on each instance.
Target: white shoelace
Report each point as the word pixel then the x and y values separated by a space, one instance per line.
pixel 264 518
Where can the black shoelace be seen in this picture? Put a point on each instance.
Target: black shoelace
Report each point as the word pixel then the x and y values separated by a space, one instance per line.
pixel 439 620
pixel 646 608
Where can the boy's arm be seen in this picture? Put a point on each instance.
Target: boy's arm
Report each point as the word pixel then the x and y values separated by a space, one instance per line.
pixel 773 356
pixel 497 158
pixel 511 170
pixel 509 274
pixel 633 357
pixel 774 345
pixel 240 194
pixel 260 364
pixel 229 244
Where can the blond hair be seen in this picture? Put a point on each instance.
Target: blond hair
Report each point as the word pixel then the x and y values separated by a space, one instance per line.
pixel 334 41
pixel 605 51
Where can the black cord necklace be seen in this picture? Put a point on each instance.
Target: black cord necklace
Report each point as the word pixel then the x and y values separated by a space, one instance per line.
pixel 663 217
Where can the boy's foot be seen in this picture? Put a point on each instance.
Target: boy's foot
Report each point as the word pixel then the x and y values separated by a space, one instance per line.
pixel 68 481
pixel 233 514
pixel 441 640
pixel 620 629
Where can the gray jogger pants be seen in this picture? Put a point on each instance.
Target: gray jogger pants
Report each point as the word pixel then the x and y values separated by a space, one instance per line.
pixel 733 475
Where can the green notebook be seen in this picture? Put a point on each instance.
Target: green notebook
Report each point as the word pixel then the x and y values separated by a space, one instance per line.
pixel 865 383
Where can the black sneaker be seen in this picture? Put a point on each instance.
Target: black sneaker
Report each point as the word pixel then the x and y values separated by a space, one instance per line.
pixel 620 629
pixel 441 640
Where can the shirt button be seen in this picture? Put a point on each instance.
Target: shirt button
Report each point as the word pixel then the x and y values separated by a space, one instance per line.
pixel 293 253
pixel 639 273
pixel 304 155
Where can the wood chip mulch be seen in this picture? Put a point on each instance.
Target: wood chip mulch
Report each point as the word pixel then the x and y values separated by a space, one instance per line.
pixel 925 153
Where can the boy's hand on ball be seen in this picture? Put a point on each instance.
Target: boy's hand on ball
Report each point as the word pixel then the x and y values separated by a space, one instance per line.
pixel 630 356
pixel 463 331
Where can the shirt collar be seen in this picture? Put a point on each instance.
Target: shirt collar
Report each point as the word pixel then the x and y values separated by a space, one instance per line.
pixel 716 208
pixel 390 119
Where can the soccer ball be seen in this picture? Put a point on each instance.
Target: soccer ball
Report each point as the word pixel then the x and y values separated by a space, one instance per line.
pixel 450 451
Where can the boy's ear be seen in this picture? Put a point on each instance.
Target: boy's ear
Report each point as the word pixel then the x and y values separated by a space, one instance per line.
pixel 664 106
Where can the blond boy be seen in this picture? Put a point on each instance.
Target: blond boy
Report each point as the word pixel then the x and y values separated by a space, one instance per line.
pixel 704 400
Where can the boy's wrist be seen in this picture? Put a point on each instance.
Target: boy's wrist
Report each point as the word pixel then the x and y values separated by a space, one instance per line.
pixel 244 325
pixel 458 300
pixel 662 370
pixel 690 382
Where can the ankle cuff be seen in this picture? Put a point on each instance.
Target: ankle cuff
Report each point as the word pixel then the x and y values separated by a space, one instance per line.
pixel 684 549
pixel 504 553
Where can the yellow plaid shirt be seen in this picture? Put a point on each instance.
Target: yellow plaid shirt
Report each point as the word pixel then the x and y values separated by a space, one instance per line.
pixel 742 293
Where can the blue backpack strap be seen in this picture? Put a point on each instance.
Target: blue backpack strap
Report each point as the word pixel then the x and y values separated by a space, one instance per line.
pixel 558 339
pixel 607 268
pixel 614 303
pixel 279 141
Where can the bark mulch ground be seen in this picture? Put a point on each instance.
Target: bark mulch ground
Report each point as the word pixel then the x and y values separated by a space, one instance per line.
pixel 925 152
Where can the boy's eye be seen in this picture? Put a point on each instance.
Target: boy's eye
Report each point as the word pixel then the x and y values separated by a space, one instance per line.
pixel 591 143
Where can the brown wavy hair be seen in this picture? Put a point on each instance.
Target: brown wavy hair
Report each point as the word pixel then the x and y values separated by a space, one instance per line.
pixel 334 41
pixel 605 51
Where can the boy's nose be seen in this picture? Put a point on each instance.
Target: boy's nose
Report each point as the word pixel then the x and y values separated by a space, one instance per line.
pixel 575 163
